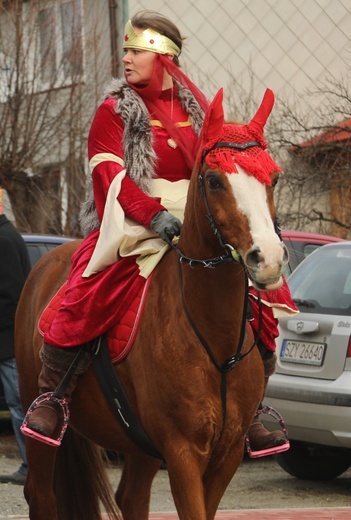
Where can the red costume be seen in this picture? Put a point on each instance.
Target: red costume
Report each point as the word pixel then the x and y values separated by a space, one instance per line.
pixel 273 304
pixel 92 304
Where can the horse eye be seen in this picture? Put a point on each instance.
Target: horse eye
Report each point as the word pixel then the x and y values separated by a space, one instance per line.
pixel 214 182
pixel 275 181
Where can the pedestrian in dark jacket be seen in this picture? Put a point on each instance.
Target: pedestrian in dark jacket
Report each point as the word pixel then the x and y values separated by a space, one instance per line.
pixel 14 268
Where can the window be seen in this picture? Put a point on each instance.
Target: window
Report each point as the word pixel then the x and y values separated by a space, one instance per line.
pixel 57 49
pixel 323 280
pixel 5 77
pixel 7 53
pixel 72 52
pixel 48 54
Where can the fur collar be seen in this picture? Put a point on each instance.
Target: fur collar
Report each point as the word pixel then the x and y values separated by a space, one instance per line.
pixel 139 154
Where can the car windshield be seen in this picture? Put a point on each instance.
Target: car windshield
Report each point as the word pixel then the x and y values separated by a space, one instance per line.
pixel 322 283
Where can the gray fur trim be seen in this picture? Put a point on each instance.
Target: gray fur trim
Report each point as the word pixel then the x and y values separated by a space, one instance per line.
pixel 139 155
pixel 191 107
pixel 59 359
pixel 88 217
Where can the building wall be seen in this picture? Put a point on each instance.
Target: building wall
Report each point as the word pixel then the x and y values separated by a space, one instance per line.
pixel 245 46
pixel 286 45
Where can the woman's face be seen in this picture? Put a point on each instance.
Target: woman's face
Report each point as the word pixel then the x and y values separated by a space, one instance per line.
pixel 138 66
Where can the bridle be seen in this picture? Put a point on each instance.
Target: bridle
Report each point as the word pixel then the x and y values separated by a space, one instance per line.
pixel 230 255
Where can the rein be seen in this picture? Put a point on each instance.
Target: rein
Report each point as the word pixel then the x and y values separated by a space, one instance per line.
pixel 231 255
pixel 234 359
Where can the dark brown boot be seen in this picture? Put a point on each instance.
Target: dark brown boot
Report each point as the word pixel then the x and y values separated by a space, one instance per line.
pixel 47 418
pixel 47 415
pixel 260 438
pixel 263 442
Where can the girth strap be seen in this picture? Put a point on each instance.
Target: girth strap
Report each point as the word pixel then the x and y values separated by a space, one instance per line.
pixel 117 398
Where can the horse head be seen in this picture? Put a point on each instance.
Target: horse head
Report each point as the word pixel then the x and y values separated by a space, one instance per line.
pixel 237 177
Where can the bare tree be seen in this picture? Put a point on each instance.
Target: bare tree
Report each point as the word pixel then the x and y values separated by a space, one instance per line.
pixel 312 137
pixel 45 110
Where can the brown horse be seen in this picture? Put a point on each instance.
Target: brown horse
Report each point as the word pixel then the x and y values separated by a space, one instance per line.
pixel 194 377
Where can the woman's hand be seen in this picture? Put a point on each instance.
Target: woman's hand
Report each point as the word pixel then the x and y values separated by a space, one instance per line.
pixel 166 225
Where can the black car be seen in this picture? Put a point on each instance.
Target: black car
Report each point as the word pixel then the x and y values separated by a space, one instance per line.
pixel 37 246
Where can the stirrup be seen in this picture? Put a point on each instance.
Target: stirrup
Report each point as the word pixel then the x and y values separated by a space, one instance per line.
pixel 63 403
pixel 274 449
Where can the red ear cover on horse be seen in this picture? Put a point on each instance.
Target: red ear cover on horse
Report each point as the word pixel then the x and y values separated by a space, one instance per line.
pixel 214 118
pixel 260 118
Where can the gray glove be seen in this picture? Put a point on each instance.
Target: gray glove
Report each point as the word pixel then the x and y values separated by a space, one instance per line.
pixel 166 225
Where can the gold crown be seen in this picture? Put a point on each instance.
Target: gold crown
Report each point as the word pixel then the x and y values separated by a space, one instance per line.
pixel 149 40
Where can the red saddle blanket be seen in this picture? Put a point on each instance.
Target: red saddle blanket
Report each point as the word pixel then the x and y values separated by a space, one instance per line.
pixel 120 337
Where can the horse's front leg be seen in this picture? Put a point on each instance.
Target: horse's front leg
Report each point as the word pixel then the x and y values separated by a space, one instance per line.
pixel 39 486
pixel 134 489
pixel 218 476
pixel 185 472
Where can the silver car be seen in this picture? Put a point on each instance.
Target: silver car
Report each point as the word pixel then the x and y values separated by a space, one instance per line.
pixel 312 384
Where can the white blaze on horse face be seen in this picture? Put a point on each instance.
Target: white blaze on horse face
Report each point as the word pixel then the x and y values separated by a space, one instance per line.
pixel 251 199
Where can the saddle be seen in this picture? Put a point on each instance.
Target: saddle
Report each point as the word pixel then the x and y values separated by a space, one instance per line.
pixel 105 350
pixel 121 336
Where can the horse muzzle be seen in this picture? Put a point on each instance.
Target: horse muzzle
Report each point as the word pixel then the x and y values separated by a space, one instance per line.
pixel 265 266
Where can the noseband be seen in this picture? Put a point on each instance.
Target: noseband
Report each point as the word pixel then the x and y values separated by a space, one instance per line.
pixel 231 254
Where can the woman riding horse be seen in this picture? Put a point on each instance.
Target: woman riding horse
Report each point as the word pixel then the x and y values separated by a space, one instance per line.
pixel 146 128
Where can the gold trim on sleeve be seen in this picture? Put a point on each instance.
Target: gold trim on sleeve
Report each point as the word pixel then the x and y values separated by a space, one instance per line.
pixel 101 157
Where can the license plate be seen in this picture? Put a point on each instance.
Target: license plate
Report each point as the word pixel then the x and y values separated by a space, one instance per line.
pixel 303 352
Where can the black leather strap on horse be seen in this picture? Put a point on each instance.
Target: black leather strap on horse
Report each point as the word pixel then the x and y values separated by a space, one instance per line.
pixel 117 398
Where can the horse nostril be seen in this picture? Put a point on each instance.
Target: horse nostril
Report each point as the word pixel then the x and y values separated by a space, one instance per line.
pixel 254 257
pixel 286 254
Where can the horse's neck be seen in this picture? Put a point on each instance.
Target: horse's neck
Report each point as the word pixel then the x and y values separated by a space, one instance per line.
pixel 215 300
pixel 218 291
pixel 214 297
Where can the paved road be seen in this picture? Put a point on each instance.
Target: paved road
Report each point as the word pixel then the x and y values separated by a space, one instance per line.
pixel 265 514
pixel 260 490
pixel 258 514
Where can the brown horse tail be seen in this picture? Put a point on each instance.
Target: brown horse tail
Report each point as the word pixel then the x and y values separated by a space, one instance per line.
pixel 81 482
